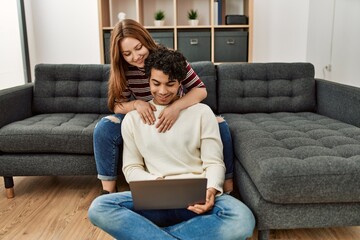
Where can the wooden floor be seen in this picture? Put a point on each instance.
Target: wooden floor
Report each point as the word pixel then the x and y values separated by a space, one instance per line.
pixel 56 208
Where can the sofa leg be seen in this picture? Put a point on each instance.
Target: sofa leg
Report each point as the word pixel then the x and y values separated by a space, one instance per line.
pixel 263 234
pixel 9 187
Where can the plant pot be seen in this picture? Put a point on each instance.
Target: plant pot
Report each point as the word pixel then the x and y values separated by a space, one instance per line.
pixel 159 23
pixel 193 22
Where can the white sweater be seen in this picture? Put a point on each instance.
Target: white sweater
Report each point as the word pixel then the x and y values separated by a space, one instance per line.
pixel 192 148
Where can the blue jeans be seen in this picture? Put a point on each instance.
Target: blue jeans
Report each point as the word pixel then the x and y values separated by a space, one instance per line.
pixel 108 145
pixel 114 213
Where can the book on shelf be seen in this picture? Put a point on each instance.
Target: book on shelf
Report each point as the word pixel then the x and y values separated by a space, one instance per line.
pixel 220 9
pixel 216 22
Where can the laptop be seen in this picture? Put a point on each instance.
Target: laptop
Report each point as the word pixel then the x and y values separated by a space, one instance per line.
pixel 168 193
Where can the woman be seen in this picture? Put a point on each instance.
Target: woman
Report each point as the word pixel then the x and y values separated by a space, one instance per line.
pixel 131 44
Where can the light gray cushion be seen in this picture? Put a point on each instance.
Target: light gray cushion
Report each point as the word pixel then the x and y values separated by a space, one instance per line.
pixel 266 87
pixel 298 157
pixel 50 133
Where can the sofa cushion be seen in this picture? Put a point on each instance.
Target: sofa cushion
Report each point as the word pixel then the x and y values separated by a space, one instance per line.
pixel 298 157
pixel 266 87
pixel 71 88
pixel 207 73
pixel 50 133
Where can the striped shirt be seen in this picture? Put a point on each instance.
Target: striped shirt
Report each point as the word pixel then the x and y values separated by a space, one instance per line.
pixel 138 84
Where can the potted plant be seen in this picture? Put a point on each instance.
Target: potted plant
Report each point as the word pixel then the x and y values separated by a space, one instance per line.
pixel 159 18
pixel 193 17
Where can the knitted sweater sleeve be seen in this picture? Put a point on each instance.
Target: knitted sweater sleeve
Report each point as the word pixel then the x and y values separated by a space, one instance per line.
pixel 133 164
pixel 211 150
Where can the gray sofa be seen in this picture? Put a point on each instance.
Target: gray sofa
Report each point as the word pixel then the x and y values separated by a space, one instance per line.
pixel 296 138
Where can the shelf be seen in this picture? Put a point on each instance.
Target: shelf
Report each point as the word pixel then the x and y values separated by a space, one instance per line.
pixel 192 27
pixel 232 26
pixel 162 27
pixel 176 24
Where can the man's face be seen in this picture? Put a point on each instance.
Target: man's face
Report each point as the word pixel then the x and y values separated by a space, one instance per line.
pixel 162 88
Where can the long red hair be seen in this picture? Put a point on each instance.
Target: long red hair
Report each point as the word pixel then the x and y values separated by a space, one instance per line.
pixel 117 80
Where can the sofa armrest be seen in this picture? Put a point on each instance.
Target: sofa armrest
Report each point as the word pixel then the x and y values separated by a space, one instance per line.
pixel 338 101
pixel 15 103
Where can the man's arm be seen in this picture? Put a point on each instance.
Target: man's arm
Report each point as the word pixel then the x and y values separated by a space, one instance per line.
pixel 212 157
pixel 211 149
pixel 133 162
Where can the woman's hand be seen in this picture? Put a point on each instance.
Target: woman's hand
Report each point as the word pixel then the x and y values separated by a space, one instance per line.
pixel 167 118
pixel 146 111
pixel 209 204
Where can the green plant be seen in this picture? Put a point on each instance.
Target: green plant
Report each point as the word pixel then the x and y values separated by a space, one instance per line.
pixel 159 15
pixel 192 14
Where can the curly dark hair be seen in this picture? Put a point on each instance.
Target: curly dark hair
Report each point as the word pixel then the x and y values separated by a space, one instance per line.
pixel 170 62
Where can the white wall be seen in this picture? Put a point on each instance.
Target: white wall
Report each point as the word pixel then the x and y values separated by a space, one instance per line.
pixel 11 65
pixel 63 31
pixel 334 40
pixel 66 31
pixel 345 59
pixel 320 33
pixel 280 30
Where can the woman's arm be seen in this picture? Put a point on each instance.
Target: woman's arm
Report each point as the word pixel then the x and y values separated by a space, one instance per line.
pixel 145 109
pixel 195 95
pixel 124 107
pixel 196 92
pixel 169 115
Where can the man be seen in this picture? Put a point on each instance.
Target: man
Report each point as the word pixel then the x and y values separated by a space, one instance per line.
pixel 191 148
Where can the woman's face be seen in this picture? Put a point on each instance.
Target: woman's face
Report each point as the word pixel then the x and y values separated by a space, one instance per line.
pixel 134 52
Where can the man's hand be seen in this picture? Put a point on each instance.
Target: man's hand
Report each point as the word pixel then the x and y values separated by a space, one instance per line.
pixel 146 111
pixel 209 204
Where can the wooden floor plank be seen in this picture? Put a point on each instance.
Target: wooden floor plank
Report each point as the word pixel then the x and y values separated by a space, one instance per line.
pixel 55 207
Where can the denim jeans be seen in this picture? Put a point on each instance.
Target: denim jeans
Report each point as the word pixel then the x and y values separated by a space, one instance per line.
pixel 108 145
pixel 227 149
pixel 114 213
